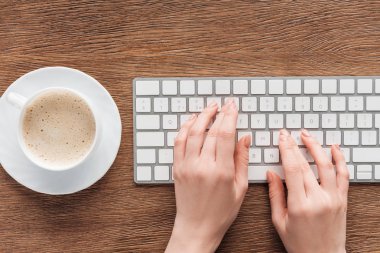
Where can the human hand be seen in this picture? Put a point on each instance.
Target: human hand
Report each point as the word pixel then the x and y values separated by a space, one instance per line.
pixel 313 218
pixel 210 176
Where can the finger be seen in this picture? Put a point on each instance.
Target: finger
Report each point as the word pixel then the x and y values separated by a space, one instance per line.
pixel 181 139
pixel 226 137
pixel 342 177
pixel 277 200
pixel 209 146
pixel 198 129
pixel 241 161
pixel 292 168
pixel 325 167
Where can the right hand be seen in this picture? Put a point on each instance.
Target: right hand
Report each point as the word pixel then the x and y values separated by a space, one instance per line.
pixel 313 218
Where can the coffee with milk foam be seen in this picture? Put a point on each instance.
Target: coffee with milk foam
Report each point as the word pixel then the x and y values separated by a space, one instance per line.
pixel 58 129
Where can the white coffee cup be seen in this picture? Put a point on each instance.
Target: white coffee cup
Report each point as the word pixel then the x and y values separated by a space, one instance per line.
pixel 22 103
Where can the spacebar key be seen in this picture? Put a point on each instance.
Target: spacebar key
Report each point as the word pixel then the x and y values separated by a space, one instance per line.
pixel 363 155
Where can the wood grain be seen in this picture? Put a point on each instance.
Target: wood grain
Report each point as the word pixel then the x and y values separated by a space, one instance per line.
pixel 115 41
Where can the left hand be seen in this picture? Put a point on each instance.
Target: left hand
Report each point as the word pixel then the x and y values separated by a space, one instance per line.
pixel 210 173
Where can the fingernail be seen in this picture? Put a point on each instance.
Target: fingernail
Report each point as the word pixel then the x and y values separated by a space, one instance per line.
pixel 233 105
pixel 269 177
pixel 305 133
pixel 247 141
pixel 337 146
pixel 192 116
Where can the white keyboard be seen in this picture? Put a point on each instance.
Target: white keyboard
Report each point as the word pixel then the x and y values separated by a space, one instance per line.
pixel 336 110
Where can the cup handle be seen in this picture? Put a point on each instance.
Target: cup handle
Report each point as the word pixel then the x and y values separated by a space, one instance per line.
pixel 16 100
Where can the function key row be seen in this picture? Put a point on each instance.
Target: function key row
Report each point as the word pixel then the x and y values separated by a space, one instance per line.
pixel 259 87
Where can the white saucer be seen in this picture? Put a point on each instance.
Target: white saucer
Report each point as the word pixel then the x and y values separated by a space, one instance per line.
pixel 18 166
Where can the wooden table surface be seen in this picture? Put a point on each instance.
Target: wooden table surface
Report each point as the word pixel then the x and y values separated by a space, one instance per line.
pixel 115 41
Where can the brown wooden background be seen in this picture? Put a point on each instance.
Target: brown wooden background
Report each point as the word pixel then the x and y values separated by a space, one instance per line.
pixel 115 41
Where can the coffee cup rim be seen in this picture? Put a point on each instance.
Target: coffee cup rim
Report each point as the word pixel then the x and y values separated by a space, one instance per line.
pixel 21 140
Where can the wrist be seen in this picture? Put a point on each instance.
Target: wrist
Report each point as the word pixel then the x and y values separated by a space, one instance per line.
pixel 189 238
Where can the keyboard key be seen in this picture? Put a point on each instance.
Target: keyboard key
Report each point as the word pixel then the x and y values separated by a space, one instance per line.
pixel 144 173
pixel 254 155
pixel 196 104
pixel 143 105
pixel 302 104
pixel 276 86
pixel 364 86
pixel 146 156
pixel 364 172
pixel 242 121
pixel 346 153
pixel 297 137
pixel 377 172
pixel 311 120
pixel 320 104
pixel 338 104
pixel 217 100
pixel 150 139
pixel 377 120
pixel 351 138
pixel 329 120
pixel 169 121
pixel 161 173
pixel 355 104
pixel 329 86
pixel 240 87
pixel 205 87
pixel 377 85
pixel 235 99
pixel 241 134
pixel 369 138
pixel 346 120
pixel 366 155
pixel 169 87
pixel 147 121
pixel 258 87
pixel 183 118
pixel 333 137
pixel 318 135
pixel 293 120
pixel 258 121
pixel 373 103
pixel 222 87
pixel 275 139
pixel 276 121
pixel 187 87
pixel 170 138
pixel 161 105
pixel 271 155
pixel 165 155
pixel 293 86
pixel 178 104
pixel 305 152
pixel 260 172
pixel 284 104
pixel 267 104
pixel 347 86
pixel 249 104
pixel 364 120
pixel 311 86
pixel 145 88
pixel 262 138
